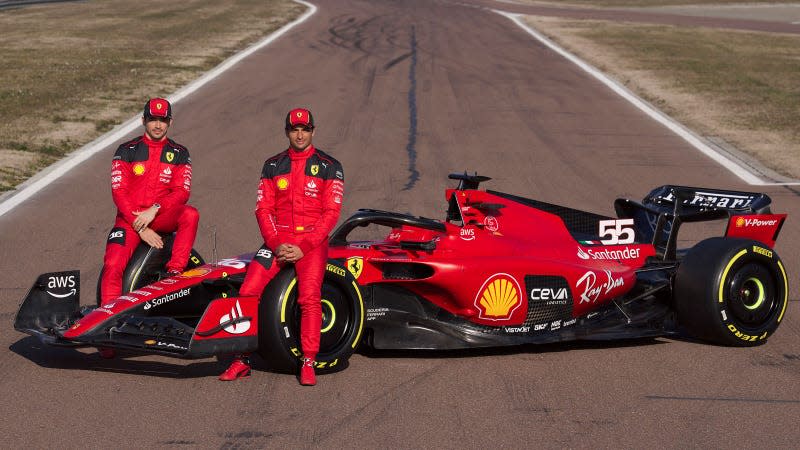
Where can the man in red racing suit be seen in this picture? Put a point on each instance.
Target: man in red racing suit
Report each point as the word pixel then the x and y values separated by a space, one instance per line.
pixel 151 179
pixel 299 200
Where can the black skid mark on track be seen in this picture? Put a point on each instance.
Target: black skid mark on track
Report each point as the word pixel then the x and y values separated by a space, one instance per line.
pixel 411 146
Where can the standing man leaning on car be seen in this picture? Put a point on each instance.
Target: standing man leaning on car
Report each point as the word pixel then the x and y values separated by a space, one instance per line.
pixel 299 200
pixel 151 179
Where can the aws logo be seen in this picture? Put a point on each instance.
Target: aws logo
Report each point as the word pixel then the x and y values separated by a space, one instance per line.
pixel 498 298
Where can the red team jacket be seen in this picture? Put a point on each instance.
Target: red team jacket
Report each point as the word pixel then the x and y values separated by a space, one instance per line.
pixel 301 202
pixel 141 177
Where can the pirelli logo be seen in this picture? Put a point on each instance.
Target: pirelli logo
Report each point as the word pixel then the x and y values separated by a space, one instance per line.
pixel 762 251
pixel 337 270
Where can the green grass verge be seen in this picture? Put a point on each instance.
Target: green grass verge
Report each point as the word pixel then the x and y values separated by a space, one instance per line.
pixel 72 71
pixel 743 87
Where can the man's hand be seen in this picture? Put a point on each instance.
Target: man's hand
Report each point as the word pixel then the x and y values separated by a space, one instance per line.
pixel 152 238
pixel 288 253
pixel 143 218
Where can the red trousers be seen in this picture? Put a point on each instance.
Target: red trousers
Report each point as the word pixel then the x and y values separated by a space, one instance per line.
pixel 123 239
pixel 310 272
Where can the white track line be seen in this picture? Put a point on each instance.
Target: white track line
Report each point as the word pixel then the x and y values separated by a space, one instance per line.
pixel 744 174
pixel 54 172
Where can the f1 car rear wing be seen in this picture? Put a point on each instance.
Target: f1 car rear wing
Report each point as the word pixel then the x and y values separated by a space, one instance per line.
pixel 660 214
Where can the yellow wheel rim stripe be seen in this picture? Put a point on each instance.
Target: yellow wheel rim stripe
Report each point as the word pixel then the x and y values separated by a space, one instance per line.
pixel 725 273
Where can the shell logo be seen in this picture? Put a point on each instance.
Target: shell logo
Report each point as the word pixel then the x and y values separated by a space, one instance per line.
pixel 498 298
pixel 138 169
pixel 740 222
pixel 283 183
pixel 195 273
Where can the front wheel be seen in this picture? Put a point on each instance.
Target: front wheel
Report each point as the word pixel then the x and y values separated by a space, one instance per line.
pixel 731 291
pixel 279 321
pixel 146 265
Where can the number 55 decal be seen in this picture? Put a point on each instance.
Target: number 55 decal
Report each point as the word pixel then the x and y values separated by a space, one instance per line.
pixel 619 231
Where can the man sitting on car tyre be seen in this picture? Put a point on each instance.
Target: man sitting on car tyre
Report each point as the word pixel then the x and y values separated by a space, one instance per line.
pixel 299 201
pixel 151 180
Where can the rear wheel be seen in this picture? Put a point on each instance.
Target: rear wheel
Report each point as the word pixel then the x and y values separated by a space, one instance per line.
pixel 731 291
pixel 279 321
pixel 146 265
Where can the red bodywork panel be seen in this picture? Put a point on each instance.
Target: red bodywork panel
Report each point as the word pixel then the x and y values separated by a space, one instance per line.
pixel 504 256
pixel 761 227
pixel 168 290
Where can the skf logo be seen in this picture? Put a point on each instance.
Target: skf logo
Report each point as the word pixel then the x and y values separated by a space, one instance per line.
pixel 283 183
pixel 355 265
pixel 138 169
pixel 314 169
pixel 498 298
pixel 170 156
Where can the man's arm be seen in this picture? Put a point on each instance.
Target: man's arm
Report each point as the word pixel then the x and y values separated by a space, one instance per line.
pixel 121 173
pixel 265 211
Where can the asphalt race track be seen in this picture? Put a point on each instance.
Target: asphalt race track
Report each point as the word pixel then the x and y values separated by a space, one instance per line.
pixel 403 93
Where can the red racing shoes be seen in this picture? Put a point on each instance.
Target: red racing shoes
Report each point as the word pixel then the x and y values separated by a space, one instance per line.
pixel 239 368
pixel 307 376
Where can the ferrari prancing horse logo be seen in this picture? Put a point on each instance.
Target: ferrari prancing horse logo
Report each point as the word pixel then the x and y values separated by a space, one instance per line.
pixel 170 156
pixel 314 169
pixel 355 265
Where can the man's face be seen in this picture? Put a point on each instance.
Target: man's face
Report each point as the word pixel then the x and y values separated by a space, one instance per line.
pixel 156 127
pixel 300 137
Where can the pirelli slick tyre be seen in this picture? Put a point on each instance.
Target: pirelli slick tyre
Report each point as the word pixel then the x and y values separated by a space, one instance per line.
pixel 731 291
pixel 146 265
pixel 279 321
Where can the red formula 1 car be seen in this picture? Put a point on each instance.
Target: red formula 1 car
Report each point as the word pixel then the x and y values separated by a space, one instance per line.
pixel 499 270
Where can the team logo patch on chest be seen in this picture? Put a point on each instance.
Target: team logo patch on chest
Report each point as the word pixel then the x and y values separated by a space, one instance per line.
pixel 314 169
pixel 282 183
pixel 311 189
pixel 170 156
pixel 138 169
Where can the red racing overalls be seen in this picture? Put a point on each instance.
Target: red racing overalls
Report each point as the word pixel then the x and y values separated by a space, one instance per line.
pixel 145 172
pixel 299 200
